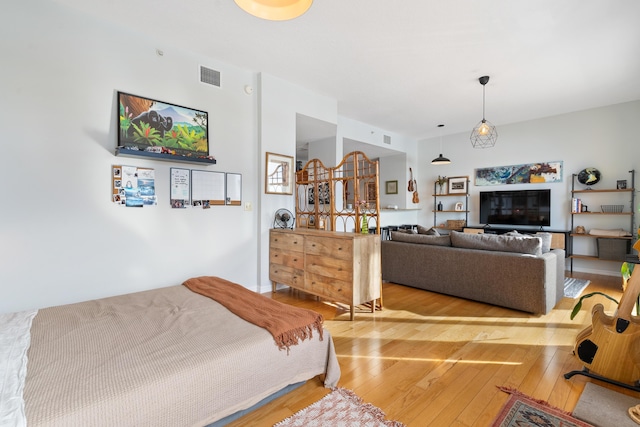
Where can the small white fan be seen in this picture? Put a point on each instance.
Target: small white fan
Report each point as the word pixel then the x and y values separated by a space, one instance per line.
pixel 283 219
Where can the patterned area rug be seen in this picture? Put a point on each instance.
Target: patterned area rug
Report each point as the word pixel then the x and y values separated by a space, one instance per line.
pixel 341 407
pixel 574 287
pixel 523 411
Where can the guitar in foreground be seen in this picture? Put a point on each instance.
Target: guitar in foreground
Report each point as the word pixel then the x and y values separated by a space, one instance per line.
pixel 610 347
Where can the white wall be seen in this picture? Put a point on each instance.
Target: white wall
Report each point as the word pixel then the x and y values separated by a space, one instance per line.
pixel 63 240
pixel 605 138
pixel 279 103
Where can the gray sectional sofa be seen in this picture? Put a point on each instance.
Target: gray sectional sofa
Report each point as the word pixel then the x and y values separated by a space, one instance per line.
pixel 515 271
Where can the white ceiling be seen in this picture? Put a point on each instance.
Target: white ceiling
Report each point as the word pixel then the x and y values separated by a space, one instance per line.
pixel 406 66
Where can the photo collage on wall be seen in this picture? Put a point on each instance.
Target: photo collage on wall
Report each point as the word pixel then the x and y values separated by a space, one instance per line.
pixel 133 186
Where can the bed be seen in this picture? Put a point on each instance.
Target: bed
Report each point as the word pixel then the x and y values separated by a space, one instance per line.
pixel 163 357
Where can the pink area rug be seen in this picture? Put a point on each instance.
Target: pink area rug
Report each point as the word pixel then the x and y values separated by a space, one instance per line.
pixel 341 407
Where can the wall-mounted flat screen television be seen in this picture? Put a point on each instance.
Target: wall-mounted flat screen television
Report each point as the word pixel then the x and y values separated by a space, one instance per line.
pixel 150 125
pixel 518 207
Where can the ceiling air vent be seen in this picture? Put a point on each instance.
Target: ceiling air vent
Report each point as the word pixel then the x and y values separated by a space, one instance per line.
pixel 387 139
pixel 209 76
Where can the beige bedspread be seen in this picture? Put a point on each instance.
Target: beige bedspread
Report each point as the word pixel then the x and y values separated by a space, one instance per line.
pixel 165 357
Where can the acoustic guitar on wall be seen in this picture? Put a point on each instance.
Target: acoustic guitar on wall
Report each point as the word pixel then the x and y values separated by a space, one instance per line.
pixel 410 186
pixel 610 347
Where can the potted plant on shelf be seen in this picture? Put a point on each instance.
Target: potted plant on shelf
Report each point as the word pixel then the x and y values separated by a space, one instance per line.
pixel 441 181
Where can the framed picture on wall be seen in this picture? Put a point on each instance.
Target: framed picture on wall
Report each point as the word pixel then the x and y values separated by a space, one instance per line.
pixel 458 184
pixel 278 174
pixel 147 124
pixel 391 187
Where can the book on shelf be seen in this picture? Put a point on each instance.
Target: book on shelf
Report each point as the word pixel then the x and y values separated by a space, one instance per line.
pixel 576 205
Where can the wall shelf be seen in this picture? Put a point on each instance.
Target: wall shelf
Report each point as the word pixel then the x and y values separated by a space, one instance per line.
pixel 452 197
pixel 124 152
pixel 588 192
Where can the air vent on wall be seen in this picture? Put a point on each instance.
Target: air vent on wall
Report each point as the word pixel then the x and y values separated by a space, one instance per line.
pixel 387 139
pixel 209 76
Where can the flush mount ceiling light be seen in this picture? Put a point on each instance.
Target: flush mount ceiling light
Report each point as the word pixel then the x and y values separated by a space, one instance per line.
pixel 484 135
pixel 275 10
pixel 440 160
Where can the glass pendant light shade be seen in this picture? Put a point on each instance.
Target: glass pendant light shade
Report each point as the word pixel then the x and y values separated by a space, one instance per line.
pixel 440 160
pixel 484 135
pixel 275 10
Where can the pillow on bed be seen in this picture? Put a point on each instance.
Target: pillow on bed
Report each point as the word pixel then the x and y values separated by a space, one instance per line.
pixel 421 239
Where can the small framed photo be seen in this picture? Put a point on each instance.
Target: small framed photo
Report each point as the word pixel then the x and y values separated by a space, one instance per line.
pixel 458 184
pixel 622 184
pixel 458 207
pixel 391 187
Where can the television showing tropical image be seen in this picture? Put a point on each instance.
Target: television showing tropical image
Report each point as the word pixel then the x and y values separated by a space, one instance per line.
pixel 149 125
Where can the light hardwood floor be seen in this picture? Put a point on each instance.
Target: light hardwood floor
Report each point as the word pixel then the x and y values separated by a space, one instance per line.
pixel 433 360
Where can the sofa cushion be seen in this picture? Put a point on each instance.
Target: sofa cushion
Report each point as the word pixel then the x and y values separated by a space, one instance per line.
pixel 428 231
pixel 421 238
pixel 493 242
pixel 545 237
pixel 546 241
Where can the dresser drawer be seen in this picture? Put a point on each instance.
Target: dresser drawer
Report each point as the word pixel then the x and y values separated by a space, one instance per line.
pixel 334 248
pixel 287 258
pixel 290 242
pixel 286 275
pixel 330 267
pixel 329 288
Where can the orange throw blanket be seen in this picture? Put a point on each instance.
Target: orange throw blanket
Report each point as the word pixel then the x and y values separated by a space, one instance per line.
pixel 287 324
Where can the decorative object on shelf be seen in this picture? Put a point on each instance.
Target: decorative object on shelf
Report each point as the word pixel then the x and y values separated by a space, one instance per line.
pixel 621 184
pixel 589 177
pixel 528 173
pixel 391 187
pixel 440 207
pixel 161 130
pixel 441 181
pixel 440 160
pixel 275 10
pixel 580 229
pixel 364 221
pixel 458 184
pixel 611 208
pixel 364 227
pixel 484 135
pixel 458 207
pixel 278 174
pixel 283 219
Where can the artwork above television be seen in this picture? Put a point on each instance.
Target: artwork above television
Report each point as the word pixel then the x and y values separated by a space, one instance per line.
pixel 518 207
pixel 161 129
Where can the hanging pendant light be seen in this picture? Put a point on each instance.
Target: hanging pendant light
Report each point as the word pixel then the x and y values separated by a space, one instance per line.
pixel 275 10
pixel 440 160
pixel 484 135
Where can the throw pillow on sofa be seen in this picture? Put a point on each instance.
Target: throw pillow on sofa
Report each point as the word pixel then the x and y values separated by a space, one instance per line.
pixel 421 239
pixel 545 237
pixel 494 242
pixel 428 231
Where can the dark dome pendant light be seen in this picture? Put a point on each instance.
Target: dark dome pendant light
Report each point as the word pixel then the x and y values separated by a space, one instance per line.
pixel 440 160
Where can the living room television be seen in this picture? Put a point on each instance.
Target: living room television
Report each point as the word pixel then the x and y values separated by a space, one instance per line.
pixel 517 207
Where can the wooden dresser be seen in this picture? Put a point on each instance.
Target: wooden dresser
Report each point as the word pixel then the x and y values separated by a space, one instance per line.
pixel 340 267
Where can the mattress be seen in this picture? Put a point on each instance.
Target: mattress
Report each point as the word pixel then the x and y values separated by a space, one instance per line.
pixel 164 357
